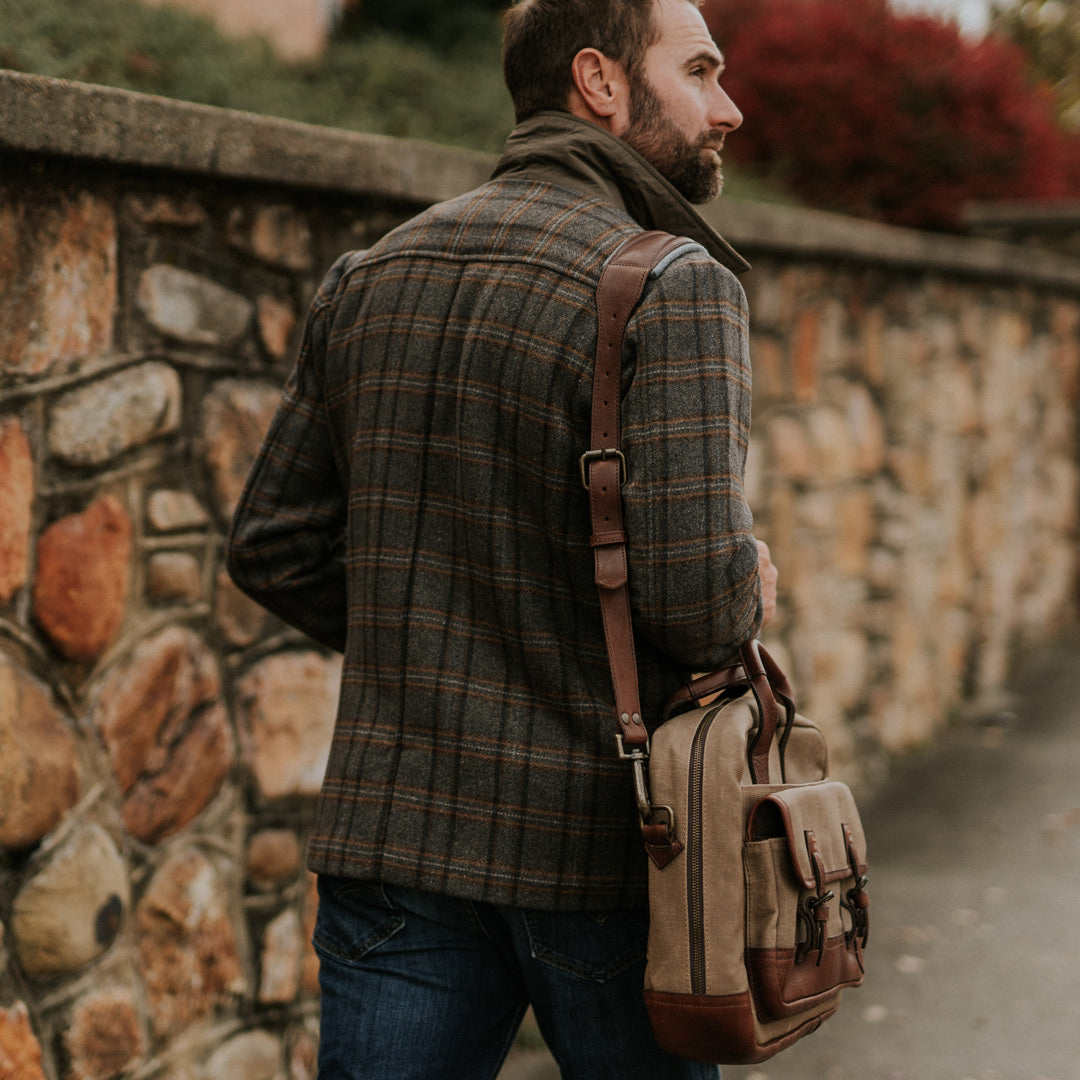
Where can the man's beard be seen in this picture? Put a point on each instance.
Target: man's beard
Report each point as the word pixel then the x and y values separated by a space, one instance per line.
pixel 681 161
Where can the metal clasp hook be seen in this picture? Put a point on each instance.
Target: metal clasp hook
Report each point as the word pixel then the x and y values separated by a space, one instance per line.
pixel 639 760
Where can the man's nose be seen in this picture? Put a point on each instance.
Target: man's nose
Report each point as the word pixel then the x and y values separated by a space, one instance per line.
pixel 724 112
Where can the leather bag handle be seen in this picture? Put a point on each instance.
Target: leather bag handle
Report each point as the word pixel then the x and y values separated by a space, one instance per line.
pixel 784 696
pixel 760 743
pixel 703 688
pixel 763 677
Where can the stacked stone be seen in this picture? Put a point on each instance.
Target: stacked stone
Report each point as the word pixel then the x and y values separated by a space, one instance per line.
pixel 914 468
pixel 161 737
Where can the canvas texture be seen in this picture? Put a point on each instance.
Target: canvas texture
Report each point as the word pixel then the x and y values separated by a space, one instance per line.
pixel 745 955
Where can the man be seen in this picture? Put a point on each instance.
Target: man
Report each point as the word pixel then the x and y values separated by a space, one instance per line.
pixel 416 504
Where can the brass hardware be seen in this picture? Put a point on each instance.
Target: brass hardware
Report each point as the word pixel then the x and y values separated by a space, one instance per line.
pixel 639 759
pixel 857 904
pixel 600 455
pixel 813 922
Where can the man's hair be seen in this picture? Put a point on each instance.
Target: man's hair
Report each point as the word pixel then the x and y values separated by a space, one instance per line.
pixel 542 37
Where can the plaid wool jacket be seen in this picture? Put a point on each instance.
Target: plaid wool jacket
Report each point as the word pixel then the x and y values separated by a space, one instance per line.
pixel 417 504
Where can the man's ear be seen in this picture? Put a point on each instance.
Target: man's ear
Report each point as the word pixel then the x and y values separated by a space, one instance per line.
pixel 601 92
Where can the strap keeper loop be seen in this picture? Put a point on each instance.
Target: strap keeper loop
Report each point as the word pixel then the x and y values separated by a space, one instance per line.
pixel 606 539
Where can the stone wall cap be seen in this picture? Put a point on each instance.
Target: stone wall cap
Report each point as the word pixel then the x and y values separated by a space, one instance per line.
pixel 793 231
pixel 1053 215
pixel 41 115
pixel 77 120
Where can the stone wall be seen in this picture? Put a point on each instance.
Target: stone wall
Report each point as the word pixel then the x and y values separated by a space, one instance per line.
pixel 1053 226
pixel 913 466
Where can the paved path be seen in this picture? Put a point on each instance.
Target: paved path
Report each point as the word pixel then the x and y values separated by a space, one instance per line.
pixel 974 959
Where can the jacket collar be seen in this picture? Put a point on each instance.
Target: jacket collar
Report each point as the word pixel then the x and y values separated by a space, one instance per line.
pixel 559 148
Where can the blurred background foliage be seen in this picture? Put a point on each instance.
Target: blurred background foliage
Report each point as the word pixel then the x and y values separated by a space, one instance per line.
pixel 374 76
pixel 436 23
pixel 849 105
pixel 856 108
pixel 1049 33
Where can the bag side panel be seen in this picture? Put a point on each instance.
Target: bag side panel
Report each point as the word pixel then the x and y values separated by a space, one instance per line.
pixel 668 967
pixel 722 826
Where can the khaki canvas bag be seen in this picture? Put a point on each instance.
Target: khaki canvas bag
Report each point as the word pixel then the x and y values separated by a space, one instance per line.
pixel 757 881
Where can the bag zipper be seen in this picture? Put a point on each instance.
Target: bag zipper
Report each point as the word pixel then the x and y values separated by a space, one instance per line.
pixel 695 870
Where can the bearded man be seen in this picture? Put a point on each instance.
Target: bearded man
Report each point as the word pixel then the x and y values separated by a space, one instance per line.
pixel 417 505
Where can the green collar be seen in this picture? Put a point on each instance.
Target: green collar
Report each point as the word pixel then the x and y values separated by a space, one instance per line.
pixel 558 148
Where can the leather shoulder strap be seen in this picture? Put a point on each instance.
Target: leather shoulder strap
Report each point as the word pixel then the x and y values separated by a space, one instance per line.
pixel 603 470
pixel 603 467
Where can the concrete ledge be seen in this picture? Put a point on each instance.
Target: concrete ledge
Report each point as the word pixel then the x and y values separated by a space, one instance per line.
pixel 1052 215
pixel 792 231
pixel 51 116
pixel 83 122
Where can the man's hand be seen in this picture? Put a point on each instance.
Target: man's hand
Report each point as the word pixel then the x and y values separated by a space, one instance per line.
pixel 768 574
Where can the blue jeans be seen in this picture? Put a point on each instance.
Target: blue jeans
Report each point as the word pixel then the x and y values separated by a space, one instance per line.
pixel 434 988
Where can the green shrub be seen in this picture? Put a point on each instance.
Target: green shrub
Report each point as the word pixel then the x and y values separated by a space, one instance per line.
pixel 379 82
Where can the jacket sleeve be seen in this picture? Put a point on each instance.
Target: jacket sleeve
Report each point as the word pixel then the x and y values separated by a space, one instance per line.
pixel 285 546
pixel 694 585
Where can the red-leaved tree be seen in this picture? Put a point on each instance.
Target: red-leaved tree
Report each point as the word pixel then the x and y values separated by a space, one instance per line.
pixel 900 118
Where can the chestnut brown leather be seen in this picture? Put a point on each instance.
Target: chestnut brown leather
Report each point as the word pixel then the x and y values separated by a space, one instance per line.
pixel 621 285
pixel 711 1027
pixel 757 882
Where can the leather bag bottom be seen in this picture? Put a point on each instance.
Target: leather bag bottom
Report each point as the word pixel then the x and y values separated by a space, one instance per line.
pixel 723 1029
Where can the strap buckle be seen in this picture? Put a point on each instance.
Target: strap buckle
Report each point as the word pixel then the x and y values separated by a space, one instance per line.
pixel 600 455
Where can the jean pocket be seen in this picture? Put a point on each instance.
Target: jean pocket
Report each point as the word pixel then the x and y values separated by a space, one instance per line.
pixel 596 947
pixel 354 917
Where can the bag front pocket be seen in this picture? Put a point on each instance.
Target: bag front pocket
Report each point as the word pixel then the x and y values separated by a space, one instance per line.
pixel 804 863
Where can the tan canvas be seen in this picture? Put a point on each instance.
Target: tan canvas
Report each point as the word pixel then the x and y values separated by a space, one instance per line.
pixel 748 944
pixel 752 957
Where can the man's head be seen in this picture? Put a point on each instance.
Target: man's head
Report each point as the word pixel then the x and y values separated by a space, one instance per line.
pixel 542 38
pixel 646 70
